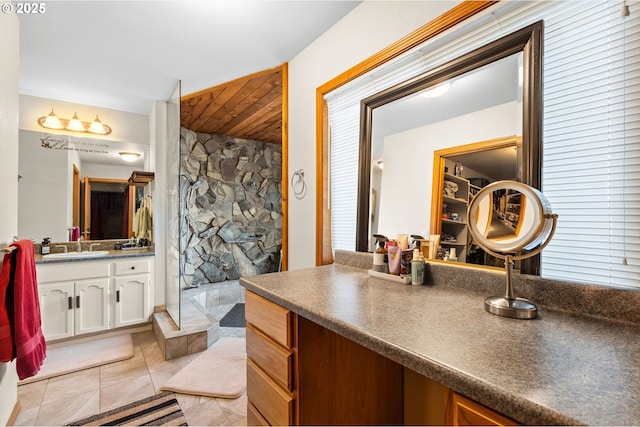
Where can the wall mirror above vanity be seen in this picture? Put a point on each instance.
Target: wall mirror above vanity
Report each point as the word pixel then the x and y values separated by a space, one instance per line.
pixel 68 181
pixel 420 138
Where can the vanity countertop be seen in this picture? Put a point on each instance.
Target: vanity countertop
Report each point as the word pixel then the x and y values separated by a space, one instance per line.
pixel 560 368
pixel 113 254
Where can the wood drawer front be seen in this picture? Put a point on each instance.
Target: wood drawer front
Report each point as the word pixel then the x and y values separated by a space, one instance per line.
pixel 466 412
pixel 131 267
pixel 274 359
pixel 273 320
pixel 254 417
pixel 271 400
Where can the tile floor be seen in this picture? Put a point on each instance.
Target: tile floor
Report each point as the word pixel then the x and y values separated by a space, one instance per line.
pixel 66 398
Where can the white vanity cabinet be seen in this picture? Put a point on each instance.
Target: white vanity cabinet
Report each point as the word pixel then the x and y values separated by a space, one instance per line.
pixel 91 296
pixel 131 292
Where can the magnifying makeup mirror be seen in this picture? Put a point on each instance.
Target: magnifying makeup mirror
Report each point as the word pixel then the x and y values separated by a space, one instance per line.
pixel 512 221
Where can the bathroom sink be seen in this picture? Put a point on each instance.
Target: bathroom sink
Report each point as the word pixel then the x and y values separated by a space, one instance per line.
pixel 73 255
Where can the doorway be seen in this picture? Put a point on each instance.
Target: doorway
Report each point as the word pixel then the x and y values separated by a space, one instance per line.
pixel 458 174
pixel 108 209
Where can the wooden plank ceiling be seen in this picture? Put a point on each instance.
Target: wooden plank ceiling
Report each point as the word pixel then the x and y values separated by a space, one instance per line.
pixel 249 107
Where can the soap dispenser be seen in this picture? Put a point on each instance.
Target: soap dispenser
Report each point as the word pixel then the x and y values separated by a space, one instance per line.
pixel 45 247
pixel 380 262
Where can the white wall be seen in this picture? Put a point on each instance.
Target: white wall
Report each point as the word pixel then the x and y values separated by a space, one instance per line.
pixel 43 201
pixel 369 28
pixel 9 58
pixel 413 150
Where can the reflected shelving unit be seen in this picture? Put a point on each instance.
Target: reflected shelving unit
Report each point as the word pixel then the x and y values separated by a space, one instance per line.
pixel 454 213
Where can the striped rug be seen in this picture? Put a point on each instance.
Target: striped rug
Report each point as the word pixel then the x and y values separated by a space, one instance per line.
pixel 159 410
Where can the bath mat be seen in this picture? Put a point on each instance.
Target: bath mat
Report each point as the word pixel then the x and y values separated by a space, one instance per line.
pixel 234 318
pixel 219 371
pixel 159 410
pixel 73 357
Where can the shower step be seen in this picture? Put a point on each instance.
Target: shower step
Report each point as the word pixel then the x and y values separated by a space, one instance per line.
pixel 196 335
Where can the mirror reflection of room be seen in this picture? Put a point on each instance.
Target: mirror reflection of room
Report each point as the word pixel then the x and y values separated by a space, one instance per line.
pixel 74 188
pixel 457 128
pixel 462 177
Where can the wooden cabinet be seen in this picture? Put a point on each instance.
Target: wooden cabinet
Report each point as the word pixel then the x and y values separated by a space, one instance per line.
pixel 301 373
pixel 270 383
pixel 85 297
pixel 466 412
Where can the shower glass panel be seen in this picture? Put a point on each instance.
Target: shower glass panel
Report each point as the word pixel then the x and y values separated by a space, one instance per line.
pixel 173 268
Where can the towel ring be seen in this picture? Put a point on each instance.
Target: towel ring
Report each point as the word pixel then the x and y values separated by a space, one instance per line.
pixel 298 184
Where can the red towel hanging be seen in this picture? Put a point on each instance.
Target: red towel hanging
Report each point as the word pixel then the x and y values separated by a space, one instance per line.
pixel 21 335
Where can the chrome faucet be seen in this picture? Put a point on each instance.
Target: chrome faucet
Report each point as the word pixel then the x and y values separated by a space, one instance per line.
pixel 78 245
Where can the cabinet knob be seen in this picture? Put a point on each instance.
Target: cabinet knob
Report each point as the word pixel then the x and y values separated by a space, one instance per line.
pixel 133 268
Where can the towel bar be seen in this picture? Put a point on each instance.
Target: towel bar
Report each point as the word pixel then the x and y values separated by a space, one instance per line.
pixel 9 249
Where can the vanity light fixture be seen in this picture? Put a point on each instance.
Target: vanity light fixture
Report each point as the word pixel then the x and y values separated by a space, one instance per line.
pixel 129 156
pixel 75 124
pixel 51 121
pixel 436 91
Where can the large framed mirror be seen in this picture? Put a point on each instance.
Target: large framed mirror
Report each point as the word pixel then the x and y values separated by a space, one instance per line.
pixel 523 48
pixel 64 179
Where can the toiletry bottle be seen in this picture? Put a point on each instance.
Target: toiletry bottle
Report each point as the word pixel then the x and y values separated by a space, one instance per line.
pixel 380 255
pixel 457 170
pixel 395 253
pixel 452 255
pixel 45 247
pixel 417 268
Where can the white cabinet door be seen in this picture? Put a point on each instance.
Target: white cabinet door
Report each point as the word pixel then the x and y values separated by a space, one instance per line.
pixel 57 308
pixel 91 306
pixel 131 300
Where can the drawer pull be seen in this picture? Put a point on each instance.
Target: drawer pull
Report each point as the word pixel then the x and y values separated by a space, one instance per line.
pixel 133 268
pixel 78 301
pixel 117 296
pixel 70 303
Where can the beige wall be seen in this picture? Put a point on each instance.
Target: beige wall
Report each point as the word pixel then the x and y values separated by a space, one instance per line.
pixel 366 30
pixel 9 58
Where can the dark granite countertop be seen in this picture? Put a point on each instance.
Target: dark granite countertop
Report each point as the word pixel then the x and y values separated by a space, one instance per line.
pixel 113 254
pixel 560 368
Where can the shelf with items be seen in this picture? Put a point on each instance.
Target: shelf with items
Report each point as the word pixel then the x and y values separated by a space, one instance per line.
pixel 508 208
pixel 455 201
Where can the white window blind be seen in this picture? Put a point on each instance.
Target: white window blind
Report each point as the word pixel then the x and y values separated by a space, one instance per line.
pixel 591 130
pixel 592 144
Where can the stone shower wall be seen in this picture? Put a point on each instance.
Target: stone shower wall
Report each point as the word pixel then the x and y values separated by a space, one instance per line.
pixel 231 201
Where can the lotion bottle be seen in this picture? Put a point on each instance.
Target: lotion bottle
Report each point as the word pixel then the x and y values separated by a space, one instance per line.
pixel 417 268
pixel 395 253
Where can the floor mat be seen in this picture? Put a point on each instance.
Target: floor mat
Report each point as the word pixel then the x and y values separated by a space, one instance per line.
pixel 234 318
pixel 67 358
pixel 159 410
pixel 220 371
